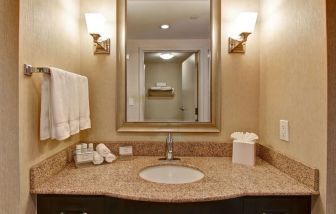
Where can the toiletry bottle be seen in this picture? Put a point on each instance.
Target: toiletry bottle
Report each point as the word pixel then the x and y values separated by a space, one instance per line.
pixel 84 148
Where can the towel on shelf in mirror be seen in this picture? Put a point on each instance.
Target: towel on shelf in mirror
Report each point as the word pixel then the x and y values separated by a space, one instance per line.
pixel 161 88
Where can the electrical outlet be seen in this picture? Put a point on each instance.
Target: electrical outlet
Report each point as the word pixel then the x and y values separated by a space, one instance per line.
pixel 284 130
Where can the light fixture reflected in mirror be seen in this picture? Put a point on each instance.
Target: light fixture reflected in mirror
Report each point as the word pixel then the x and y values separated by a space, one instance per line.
pixel 166 56
pixel 244 26
pixel 164 27
pixel 95 23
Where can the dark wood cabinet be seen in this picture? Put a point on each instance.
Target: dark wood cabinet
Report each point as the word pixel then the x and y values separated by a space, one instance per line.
pixel 65 204
pixel 230 206
pixel 277 205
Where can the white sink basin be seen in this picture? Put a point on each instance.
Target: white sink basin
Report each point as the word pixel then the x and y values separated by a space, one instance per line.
pixel 171 174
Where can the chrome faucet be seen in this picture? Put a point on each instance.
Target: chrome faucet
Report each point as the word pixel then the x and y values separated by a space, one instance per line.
pixel 169 147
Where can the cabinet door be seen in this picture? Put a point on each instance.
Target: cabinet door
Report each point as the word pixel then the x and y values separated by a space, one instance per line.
pixel 231 206
pixel 277 205
pixel 51 204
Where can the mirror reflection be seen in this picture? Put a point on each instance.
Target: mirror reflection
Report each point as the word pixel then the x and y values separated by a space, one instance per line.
pixel 168 61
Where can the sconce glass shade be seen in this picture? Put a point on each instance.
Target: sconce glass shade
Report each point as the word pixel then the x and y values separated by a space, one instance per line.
pixel 243 27
pixel 95 23
pixel 245 22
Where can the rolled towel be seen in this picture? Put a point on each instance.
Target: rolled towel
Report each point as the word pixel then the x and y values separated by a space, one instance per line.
pixel 97 158
pixel 102 150
pixel 110 158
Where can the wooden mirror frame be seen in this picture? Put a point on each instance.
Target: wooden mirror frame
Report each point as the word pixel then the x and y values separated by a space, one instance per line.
pixel 200 127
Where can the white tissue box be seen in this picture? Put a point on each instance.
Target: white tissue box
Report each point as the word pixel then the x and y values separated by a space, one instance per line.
pixel 244 153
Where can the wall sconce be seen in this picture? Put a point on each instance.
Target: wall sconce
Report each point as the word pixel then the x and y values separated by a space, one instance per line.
pixel 244 26
pixel 95 23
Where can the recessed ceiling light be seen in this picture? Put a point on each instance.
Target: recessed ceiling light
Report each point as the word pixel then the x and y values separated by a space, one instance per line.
pixel 166 56
pixel 164 27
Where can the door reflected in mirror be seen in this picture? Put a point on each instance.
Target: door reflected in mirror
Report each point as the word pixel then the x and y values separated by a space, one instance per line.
pixel 168 63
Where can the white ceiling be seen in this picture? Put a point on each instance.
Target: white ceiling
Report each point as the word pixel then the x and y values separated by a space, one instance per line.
pixel 188 19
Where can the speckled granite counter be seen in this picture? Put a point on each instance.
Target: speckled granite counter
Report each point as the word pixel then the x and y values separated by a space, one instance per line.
pixel 223 180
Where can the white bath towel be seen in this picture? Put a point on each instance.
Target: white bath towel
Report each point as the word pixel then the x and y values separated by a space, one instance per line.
pixel 84 107
pixel 73 88
pixel 97 158
pixel 110 158
pixel 45 117
pixel 54 120
pixel 103 150
pixel 62 105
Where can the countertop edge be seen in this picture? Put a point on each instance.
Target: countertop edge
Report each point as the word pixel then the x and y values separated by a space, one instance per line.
pixel 207 199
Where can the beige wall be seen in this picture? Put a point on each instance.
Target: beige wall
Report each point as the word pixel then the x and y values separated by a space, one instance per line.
pixel 331 165
pixel 240 80
pixel 293 82
pixel 164 108
pixel 49 36
pixel 9 112
pixel 292 64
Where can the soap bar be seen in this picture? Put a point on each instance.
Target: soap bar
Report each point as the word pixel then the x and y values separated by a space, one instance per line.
pixel 244 153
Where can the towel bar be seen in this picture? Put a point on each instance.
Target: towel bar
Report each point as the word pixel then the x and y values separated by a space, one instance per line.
pixel 28 70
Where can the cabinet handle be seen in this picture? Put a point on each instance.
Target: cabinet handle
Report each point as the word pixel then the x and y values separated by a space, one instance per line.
pixel 78 212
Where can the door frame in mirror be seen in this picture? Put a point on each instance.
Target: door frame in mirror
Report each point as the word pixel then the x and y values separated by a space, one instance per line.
pixel 121 102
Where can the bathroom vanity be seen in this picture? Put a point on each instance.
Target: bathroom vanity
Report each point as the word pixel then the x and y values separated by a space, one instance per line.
pixel 118 188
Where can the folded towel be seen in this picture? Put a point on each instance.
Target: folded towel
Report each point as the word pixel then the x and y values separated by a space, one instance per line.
pixel 110 158
pixel 72 85
pixel 161 88
pixel 102 150
pixel 45 108
pixel 166 88
pixel 54 106
pixel 97 158
pixel 84 107
pixel 155 88
pixel 64 105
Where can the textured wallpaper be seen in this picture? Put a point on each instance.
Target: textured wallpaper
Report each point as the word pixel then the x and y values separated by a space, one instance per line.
pixel 293 82
pixel 49 36
pixel 9 128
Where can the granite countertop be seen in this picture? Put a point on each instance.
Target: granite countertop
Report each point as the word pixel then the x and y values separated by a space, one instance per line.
pixel 223 180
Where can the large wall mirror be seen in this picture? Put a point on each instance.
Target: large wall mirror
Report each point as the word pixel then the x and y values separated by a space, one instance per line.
pixel 168 65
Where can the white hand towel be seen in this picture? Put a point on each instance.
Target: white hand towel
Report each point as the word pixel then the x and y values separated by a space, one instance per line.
pixel 97 158
pixel 60 129
pixel 45 117
pixel 72 84
pixel 84 107
pixel 166 88
pixel 110 158
pixel 64 105
pixel 102 150
pixel 155 88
